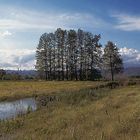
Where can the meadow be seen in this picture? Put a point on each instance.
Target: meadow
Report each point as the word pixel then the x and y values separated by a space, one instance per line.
pixel 81 113
pixel 11 90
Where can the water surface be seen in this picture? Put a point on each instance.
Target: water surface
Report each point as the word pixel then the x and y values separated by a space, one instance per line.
pixel 12 109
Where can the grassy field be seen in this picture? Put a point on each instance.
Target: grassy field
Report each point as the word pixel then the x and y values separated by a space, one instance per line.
pixel 15 90
pixel 81 113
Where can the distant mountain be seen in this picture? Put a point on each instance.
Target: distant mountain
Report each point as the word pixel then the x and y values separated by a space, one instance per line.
pixel 22 72
pixel 132 71
pixel 129 71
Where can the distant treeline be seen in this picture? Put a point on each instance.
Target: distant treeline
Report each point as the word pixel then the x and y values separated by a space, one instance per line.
pixel 75 55
pixel 16 75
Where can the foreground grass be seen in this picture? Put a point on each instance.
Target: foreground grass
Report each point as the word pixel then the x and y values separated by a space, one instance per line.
pixel 86 114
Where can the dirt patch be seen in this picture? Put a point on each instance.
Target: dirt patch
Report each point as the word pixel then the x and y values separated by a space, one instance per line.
pixel 131 94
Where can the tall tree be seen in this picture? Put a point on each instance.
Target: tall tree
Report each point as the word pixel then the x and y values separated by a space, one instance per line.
pixel 41 57
pixel 51 43
pixel 54 56
pixel 71 55
pixel 80 45
pixel 60 45
pixel 112 59
pixel 72 46
pixel 96 56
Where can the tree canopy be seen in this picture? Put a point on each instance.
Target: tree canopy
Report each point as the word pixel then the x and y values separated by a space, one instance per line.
pixel 68 55
pixel 75 55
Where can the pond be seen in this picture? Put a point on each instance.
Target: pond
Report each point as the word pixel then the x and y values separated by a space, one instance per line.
pixel 12 109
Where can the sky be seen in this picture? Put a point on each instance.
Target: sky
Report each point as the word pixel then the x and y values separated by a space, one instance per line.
pixel 22 22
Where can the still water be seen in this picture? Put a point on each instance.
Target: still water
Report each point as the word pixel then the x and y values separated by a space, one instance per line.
pixel 12 109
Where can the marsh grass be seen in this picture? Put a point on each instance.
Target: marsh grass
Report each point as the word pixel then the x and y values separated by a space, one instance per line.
pixel 12 90
pixel 83 114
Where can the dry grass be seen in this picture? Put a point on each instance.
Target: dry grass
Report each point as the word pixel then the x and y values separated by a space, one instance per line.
pixel 14 90
pixel 115 116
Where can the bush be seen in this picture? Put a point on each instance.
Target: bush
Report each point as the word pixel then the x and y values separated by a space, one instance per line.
pixel 112 85
pixel 131 83
pixel 12 77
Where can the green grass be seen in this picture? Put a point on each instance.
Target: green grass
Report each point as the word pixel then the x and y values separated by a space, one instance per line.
pixel 83 114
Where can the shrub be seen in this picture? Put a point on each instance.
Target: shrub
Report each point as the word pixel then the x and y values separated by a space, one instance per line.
pixel 112 85
pixel 131 83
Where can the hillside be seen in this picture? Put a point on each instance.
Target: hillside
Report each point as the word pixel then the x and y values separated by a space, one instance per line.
pixel 132 71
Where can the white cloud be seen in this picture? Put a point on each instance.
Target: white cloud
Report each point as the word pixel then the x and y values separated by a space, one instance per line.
pixel 5 34
pixel 130 56
pixel 25 58
pixel 18 58
pixel 127 22
pixel 23 19
pixel 14 19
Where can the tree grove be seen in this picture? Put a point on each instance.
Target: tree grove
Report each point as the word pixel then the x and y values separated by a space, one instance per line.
pixel 68 55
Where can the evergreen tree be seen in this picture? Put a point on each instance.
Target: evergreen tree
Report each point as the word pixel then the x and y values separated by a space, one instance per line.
pixel 70 55
pixel 80 46
pixel 72 48
pixel 112 59
pixel 41 57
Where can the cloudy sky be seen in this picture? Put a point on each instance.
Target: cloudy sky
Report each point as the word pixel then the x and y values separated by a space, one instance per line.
pixel 23 21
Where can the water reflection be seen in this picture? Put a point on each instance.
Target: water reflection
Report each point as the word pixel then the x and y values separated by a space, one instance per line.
pixel 12 109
